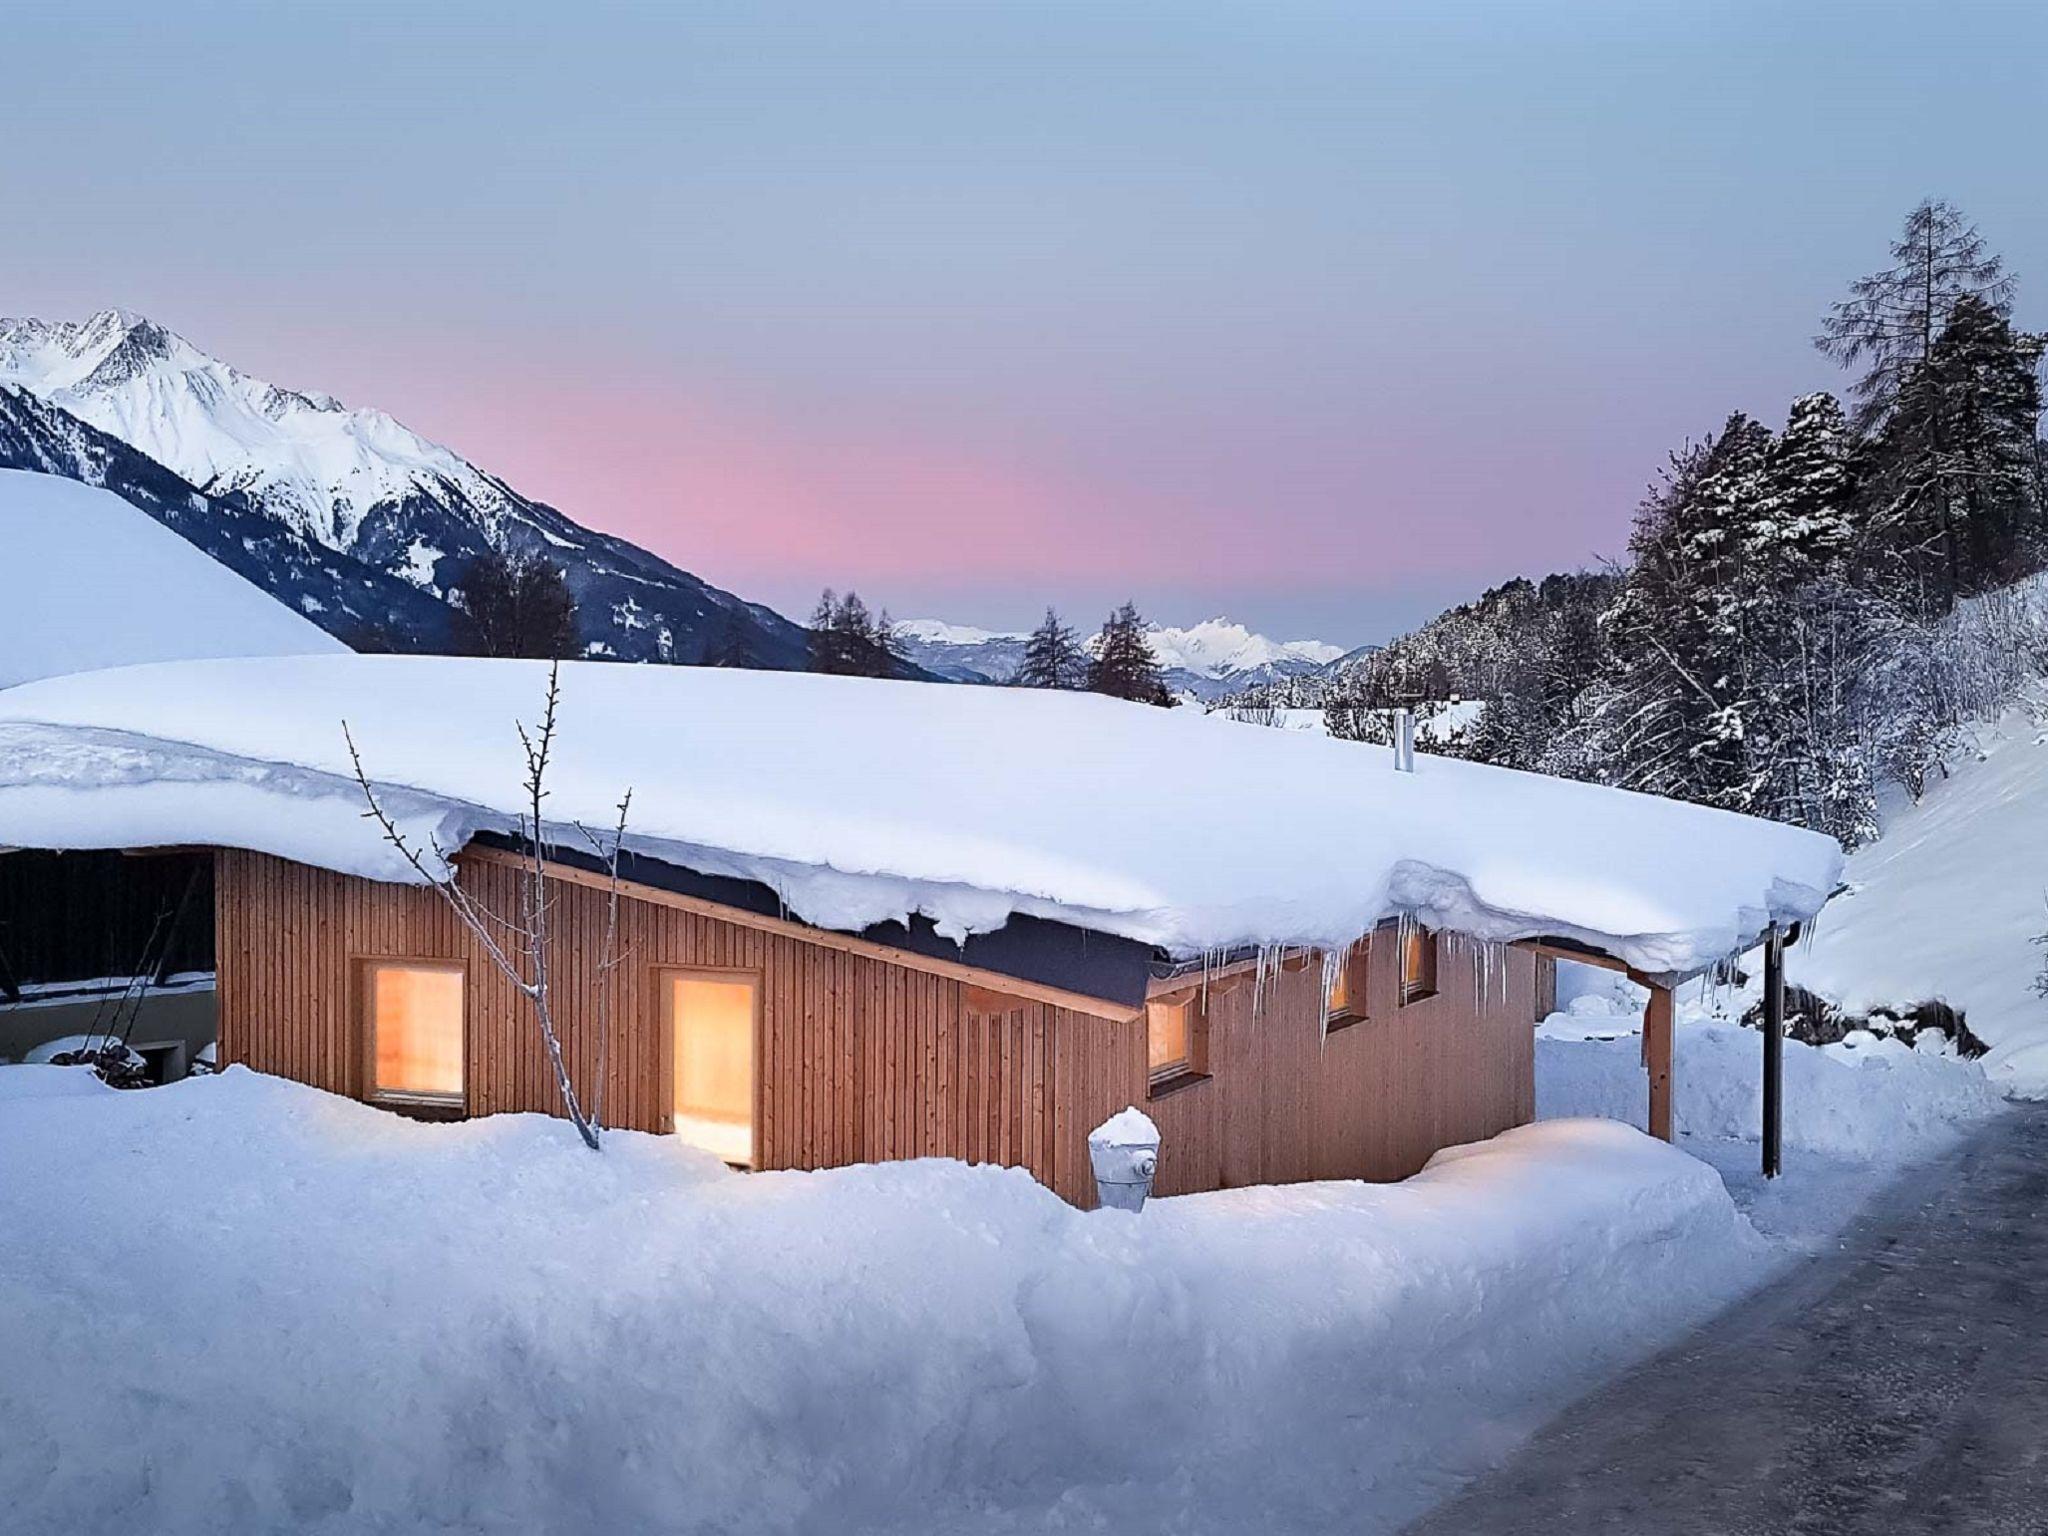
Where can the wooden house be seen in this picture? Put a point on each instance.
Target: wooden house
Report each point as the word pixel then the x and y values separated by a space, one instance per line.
pixel 859 920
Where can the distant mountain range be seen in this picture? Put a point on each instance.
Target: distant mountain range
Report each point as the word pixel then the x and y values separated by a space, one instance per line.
pixel 1205 661
pixel 357 522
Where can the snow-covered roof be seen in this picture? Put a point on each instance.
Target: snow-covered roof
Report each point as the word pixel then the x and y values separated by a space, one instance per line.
pixel 860 800
pixel 94 582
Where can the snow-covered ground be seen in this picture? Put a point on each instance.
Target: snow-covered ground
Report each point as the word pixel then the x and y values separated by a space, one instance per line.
pixel 95 582
pixel 237 1304
pixel 1947 903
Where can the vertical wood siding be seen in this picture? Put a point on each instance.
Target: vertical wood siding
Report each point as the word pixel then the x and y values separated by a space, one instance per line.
pixel 1376 1097
pixel 862 1060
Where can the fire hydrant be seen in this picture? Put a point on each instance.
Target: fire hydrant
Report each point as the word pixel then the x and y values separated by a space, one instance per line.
pixel 1124 1150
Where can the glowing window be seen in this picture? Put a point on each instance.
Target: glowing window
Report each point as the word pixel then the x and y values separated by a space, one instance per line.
pixel 1418 964
pixel 1348 988
pixel 412 1013
pixel 1175 1042
pixel 711 1022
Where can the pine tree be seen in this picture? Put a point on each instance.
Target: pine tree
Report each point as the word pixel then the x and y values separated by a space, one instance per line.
pixel 1955 469
pixel 1807 527
pixel 733 646
pixel 1674 714
pixel 1891 318
pixel 1053 657
pixel 1124 664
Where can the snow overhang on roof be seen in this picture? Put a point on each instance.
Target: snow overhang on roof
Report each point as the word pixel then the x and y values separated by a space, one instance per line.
pixel 860 801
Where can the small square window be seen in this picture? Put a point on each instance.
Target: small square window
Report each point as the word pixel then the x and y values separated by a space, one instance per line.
pixel 1418 963
pixel 1176 1044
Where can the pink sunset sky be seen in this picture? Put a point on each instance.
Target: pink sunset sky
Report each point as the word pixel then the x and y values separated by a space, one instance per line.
pixel 1318 316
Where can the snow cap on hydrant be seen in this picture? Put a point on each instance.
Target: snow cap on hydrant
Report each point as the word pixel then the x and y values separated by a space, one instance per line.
pixel 1124 1151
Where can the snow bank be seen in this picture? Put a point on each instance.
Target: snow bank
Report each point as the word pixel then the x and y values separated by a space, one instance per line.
pixel 1876 1103
pixel 239 1304
pixel 862 800
pixel 94 582
pixel 1946 904
pixel 36 1081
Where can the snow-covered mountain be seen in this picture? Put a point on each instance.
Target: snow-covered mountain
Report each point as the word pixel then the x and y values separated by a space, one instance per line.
pixel 366 608
pixel 358 484
pixel 107 586
pixel 1205 660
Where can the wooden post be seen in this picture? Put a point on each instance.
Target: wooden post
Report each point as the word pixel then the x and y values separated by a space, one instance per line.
pixel 1774 1051
pixel 1657 1059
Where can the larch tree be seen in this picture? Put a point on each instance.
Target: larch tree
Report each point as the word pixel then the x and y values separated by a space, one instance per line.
pixel 847 639
pixel 1053 657
pixel 519 604
pixel 1890 320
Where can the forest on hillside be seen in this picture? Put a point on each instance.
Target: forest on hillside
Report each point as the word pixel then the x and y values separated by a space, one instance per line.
pixel 1807 612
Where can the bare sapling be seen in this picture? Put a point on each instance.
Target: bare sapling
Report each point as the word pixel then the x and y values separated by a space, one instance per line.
pixel 517 946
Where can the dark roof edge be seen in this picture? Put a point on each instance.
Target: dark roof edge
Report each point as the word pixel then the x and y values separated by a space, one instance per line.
pixel 1034 949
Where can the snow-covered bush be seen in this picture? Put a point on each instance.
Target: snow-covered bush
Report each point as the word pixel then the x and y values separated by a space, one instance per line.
pixel 1813 1020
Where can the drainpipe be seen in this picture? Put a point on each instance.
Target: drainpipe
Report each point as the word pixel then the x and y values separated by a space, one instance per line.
pixel 1774 1052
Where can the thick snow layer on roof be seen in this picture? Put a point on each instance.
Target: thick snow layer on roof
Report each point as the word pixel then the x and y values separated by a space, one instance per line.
pixel 862 800
pixel 94 582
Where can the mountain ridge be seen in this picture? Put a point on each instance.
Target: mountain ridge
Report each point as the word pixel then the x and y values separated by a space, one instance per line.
pixel 1204 661
pixel 355 484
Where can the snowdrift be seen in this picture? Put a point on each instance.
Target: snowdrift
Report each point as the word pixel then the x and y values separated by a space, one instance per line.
pixel 94 582
pixel 861 801
pixel 1875 1103
pixel 238 1304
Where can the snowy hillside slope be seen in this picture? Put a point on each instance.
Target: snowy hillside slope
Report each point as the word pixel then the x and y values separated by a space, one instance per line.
pixel 365 608
pixel 1207 660
pixel 1947 902
pixel 93 582
pixel 358 483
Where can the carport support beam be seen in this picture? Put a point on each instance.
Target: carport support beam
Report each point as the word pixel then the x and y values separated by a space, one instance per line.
pixel 1657 1058
pixel 1774 1051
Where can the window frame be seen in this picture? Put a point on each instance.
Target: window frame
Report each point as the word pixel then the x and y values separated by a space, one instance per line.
pixel 1357 999
pixel 1193 1065
pixel 407 1099
pixel 665 1024
pixel 1424 986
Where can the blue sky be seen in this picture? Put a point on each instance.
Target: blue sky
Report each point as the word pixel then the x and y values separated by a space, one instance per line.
pixel 1319 315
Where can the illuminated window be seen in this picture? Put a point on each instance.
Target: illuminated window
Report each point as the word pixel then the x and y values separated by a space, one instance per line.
pixel 1418 963
pixel 412 1016
pixel 1348 988
pixel 711 1022
pixel 1175 1046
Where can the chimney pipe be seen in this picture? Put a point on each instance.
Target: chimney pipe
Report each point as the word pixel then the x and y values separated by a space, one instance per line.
pixel 1404 740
